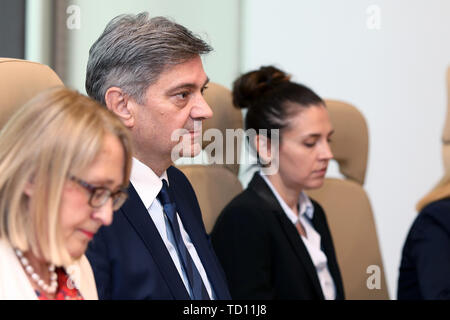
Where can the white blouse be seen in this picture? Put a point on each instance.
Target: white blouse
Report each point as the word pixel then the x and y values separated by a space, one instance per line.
pixel 14 283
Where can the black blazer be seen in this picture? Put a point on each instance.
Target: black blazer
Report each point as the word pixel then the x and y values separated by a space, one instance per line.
pixel 262 253
pixel 425 264
pixel 131 261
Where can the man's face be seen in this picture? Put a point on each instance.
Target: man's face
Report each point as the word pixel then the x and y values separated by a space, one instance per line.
pixel 174 103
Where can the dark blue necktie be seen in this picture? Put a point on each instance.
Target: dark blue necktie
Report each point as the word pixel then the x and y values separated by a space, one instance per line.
pixel 195 280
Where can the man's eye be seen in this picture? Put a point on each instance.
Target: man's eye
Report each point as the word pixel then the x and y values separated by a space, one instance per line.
pixel 182 95
pixel 310 145
pixel 203 89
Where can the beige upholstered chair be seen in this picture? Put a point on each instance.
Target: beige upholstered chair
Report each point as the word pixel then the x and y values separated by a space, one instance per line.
pixel 348 208
pixel 446 133
pixel 21 80
pixel 216 184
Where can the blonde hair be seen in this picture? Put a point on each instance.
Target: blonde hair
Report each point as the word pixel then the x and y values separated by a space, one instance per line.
pixel 58 133
pixel 440 191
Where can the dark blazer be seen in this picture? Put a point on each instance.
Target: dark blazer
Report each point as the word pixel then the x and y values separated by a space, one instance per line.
pixel 262 253
pixel 131 261
pixel 425 264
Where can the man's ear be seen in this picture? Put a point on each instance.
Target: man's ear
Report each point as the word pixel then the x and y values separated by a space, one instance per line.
pixel 120 103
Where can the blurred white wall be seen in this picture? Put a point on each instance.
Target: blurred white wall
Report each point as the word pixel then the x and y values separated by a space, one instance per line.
pixel 38 31
pixel 208 19
pixel 217 22
pixel 395 75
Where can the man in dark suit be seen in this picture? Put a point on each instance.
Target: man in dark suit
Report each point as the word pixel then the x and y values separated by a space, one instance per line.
pixel 150 74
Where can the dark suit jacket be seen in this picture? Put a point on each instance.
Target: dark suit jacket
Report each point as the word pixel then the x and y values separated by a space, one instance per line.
pixel 130 260
pixel 425 264
pixel 262 253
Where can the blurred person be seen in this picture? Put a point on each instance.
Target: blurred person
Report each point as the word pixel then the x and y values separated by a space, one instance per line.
pixel 149 72
pixel 64 163
pixel 425 263
pixel 273 240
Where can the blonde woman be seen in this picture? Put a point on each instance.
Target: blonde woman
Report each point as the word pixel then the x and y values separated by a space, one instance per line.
pixel 64 166
pixel 425 264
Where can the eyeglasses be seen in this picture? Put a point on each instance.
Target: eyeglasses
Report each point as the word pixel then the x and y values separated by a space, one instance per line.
pixel 99 195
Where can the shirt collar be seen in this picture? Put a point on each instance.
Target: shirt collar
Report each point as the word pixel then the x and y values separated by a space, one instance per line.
pixel 146 182
pixel 306 207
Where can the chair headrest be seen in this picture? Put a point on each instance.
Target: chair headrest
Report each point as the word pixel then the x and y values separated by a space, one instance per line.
pixel 21 80
pixel 226 116
pixel 446 131
pixel 350 142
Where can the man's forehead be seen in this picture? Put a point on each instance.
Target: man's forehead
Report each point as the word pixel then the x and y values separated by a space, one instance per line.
pixel 188 73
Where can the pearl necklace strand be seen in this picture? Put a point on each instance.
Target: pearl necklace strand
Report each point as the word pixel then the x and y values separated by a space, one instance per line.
pixel 50 289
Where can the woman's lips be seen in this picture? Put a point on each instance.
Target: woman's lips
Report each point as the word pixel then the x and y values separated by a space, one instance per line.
pixel 88 234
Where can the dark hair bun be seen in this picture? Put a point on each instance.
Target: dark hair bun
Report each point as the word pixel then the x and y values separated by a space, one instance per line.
pixel 251 86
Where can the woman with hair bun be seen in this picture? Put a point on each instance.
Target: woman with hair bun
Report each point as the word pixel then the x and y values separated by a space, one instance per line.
pixel 273 240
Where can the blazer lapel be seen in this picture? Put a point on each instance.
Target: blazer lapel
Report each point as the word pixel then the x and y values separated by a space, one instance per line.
pixel 327 247
pixel 187 212
pixel 262 189
pixel 138 216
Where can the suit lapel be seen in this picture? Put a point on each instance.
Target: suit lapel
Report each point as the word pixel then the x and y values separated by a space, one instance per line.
pixel 196 232
pixel 138 216
pixel 262 189
pixel 327 247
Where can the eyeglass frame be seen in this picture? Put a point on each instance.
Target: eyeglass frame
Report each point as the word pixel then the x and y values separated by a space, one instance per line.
pixel 93 189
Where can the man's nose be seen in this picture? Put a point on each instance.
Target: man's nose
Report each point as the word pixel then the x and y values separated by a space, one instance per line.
pixel 201 109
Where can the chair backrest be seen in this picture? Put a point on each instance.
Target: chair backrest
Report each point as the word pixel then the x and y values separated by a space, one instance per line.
pixel 21 80
pixel 217 184
pixel 348 208
pixel 446 132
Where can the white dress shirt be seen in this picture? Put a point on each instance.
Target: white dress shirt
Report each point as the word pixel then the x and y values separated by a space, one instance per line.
pixel 148 185
pixel 311 241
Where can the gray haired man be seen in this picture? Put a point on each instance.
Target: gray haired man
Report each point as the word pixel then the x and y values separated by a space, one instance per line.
pixel 150 74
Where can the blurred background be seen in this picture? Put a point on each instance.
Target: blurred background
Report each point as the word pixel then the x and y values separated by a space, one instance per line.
pixel 388 58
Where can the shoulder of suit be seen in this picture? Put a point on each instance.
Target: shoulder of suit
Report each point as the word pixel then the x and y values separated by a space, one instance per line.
pixel 175 174
pixel 437 206
pixel 437 212
pixel 248 205
pixel 244 214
